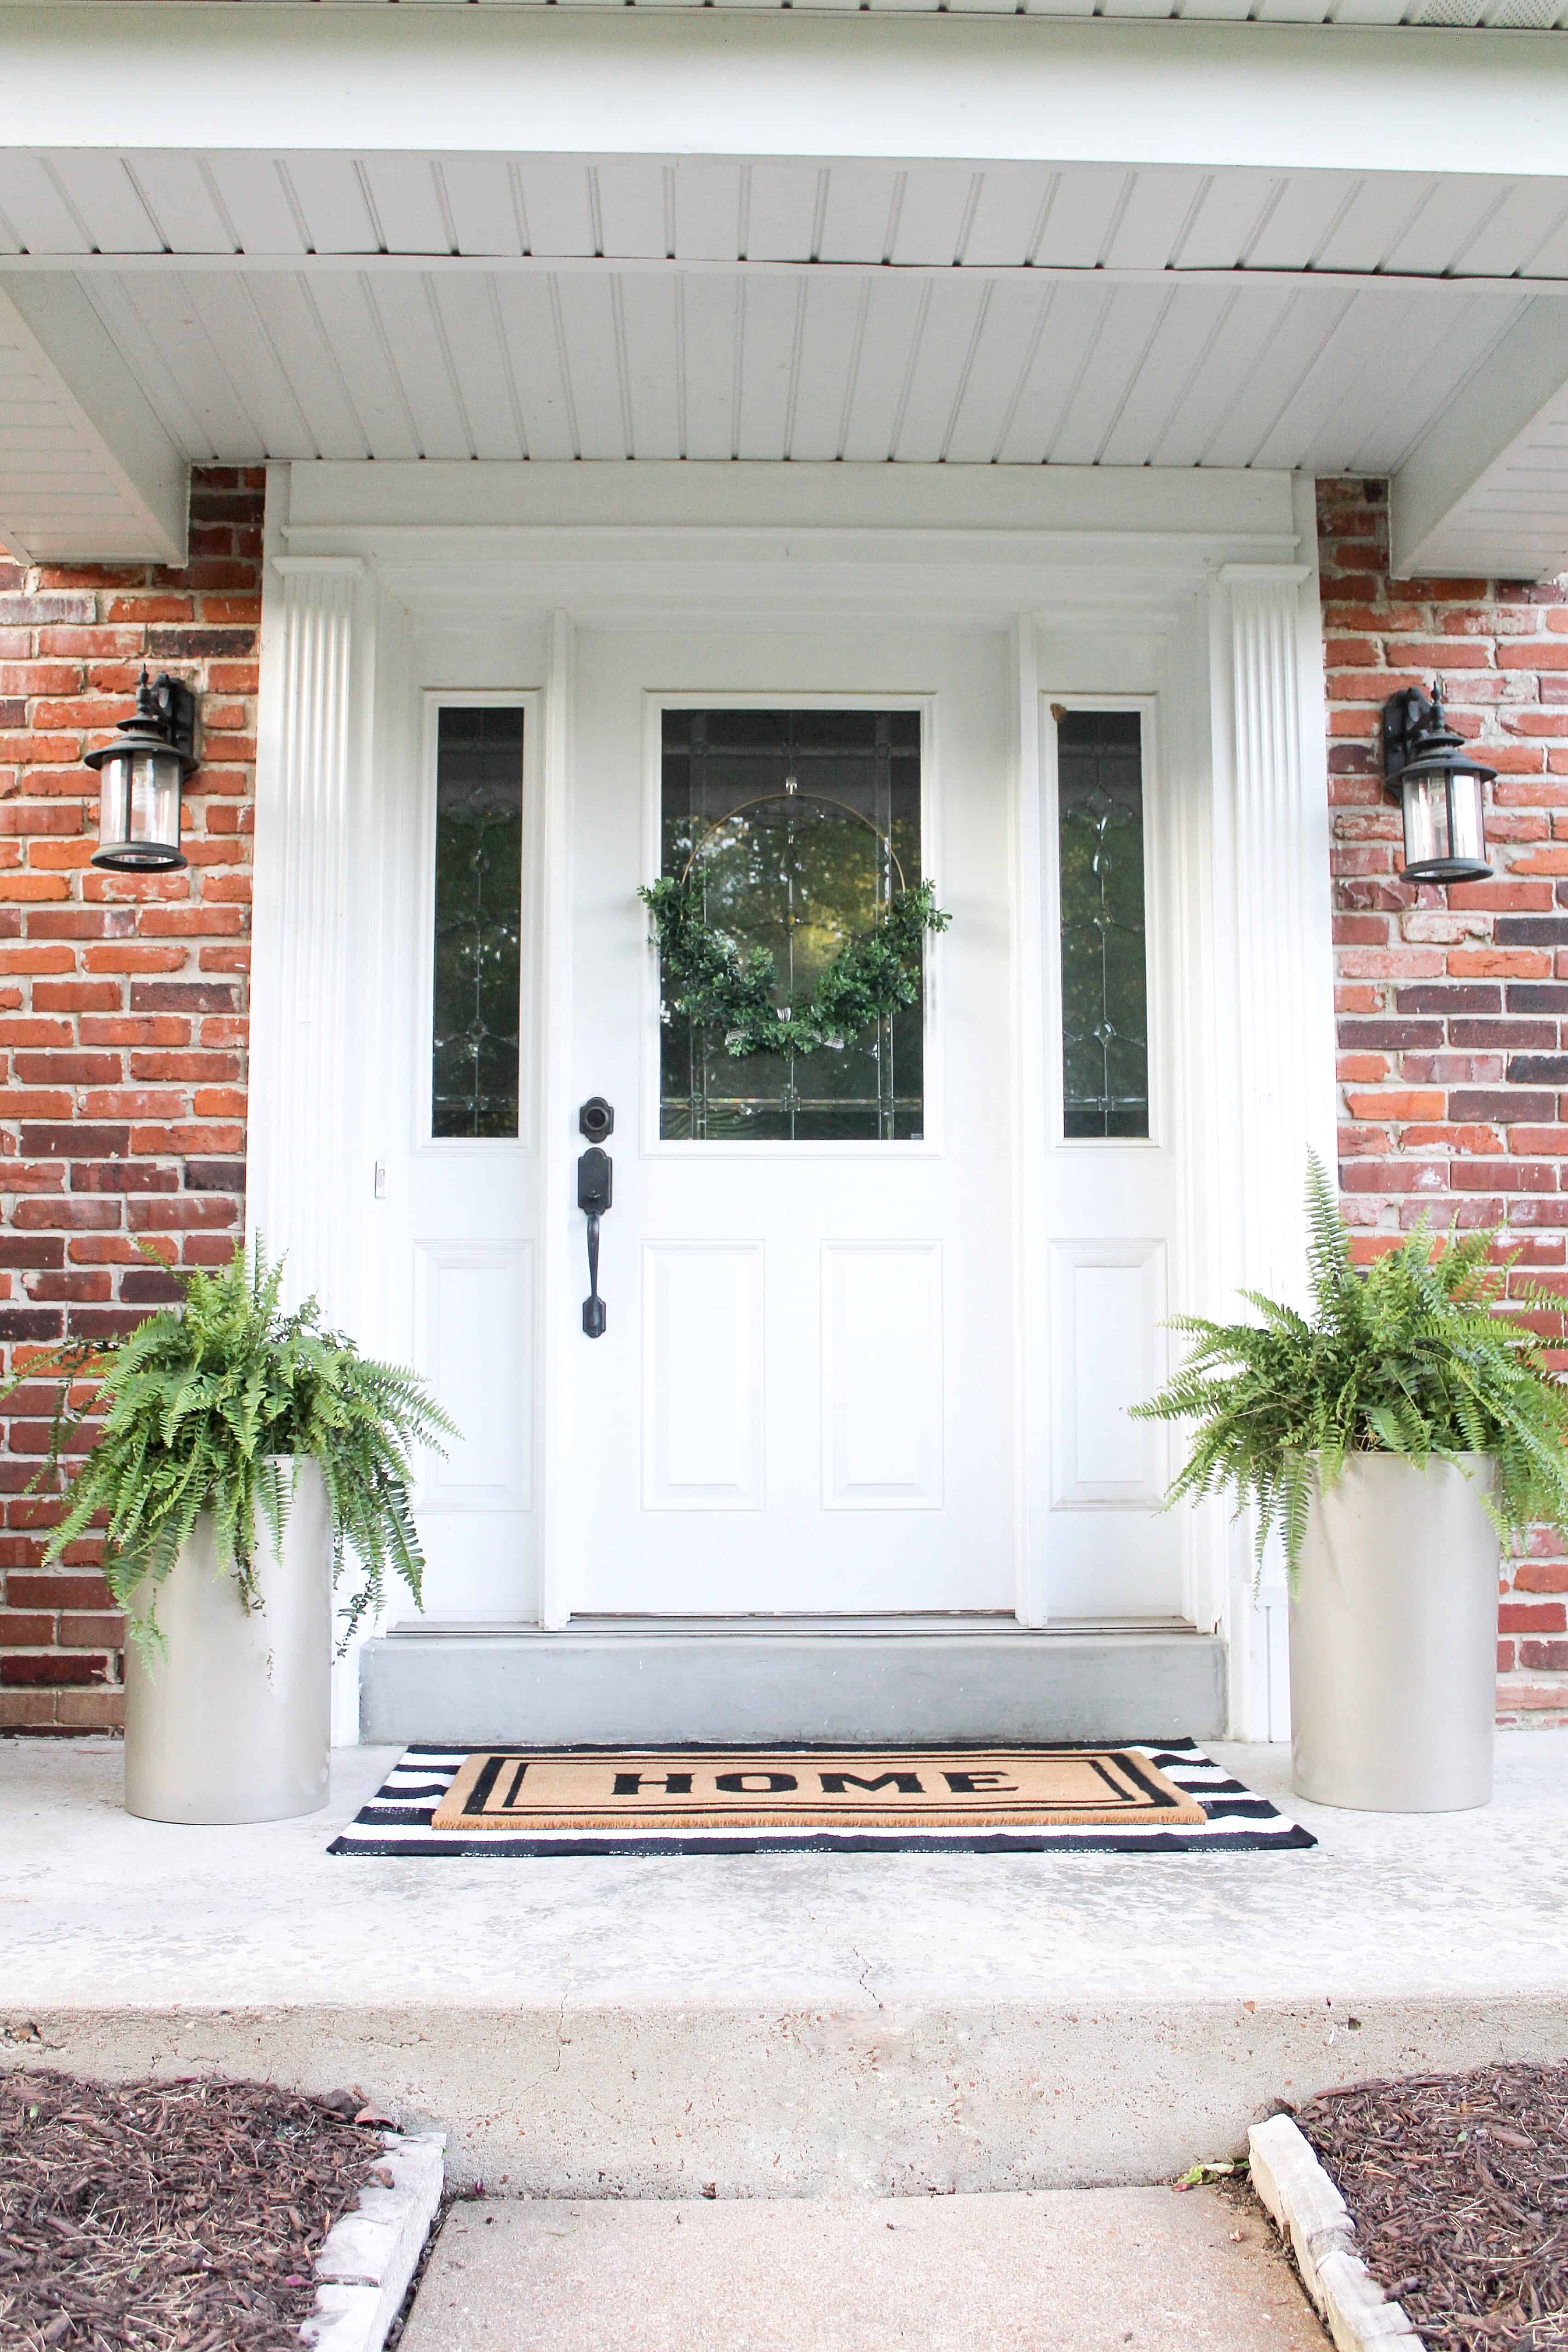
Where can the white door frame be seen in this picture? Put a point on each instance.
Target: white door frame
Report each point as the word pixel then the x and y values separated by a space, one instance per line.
pixel 1217 573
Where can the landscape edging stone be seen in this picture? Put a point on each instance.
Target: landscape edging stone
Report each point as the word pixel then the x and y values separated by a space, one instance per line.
pixel 370 2255
pixel 1313 2219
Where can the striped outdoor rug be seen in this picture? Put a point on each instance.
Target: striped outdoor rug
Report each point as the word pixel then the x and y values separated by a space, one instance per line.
pixel 1158 1798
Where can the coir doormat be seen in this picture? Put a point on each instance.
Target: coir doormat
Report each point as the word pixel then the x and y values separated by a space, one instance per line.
pixel 1137 1798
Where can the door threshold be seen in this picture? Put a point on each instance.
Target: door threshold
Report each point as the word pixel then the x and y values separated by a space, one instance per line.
pixel 764 1628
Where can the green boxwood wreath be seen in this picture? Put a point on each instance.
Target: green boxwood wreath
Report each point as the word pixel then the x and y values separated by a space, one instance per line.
pixel 875 974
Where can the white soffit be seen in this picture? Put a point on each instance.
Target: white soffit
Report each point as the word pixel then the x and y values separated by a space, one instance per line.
pixel 873 365
pixel 86 469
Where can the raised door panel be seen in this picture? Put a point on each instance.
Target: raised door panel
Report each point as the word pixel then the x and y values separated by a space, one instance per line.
pixel 703 1381
pixel 475 1323
pixel 1107 1303
pixel 882 1376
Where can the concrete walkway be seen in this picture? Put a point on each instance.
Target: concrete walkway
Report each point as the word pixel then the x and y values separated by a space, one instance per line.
pixel 789 2024
pixel 1104 2269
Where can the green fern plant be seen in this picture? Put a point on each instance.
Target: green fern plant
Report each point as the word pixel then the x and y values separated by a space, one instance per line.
pixel 194 1407
pixel 1408 1356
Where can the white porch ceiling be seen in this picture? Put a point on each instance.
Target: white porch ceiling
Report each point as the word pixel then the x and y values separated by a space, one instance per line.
pixel 261 207
pixel 799 364
pixel 1224 262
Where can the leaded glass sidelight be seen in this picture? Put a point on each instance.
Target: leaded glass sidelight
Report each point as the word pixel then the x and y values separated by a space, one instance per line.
pixel 799 873
pixel 1104 982
pixel 478 922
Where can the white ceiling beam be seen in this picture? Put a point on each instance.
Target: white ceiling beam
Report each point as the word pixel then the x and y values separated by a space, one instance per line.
pixel 704 81
pixel 1460 501
pixel 87 471
pixel 21 266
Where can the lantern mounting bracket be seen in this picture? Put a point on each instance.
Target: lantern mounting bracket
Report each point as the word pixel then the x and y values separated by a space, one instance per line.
pixel 1408 717
pixel 176 707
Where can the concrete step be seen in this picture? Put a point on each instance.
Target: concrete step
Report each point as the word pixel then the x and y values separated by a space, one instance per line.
pixel 925 1680
pixel 1107 2270
pixel 787 2024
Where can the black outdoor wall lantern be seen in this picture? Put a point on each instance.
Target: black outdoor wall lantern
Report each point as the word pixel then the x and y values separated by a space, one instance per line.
pixel 138 779
pixel 1440 789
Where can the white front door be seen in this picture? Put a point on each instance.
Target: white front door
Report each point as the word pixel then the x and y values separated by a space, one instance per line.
pixel 804 1397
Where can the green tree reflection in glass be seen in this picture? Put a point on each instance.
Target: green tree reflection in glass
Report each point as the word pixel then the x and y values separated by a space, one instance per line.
pixel 797 878
pixel 1105 984
pixel 478 922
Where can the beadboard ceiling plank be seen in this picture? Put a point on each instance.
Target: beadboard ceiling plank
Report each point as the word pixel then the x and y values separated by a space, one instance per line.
pixel 711 334
pixel 635 208
pixel 407 205
pixel 253 193
pixel 234 329
pixel 1176 350
pixel 858 219
pixel 1127 325
pixel 534 354
pixel 416 347
pixel 887 333
pixel 465 309
pixel 1003 346
pixel 1083 210
pixel 1071 325
pixel 781 210
pixel 557 210
pixel 591 364
pixel 948 334
pixel 1007 213
pixel 178 194
pixel 286 305
pixel 770 343
pixel 479 199
pixel 708 211
pixel 1302 334
pixel 826 351
pixel 648 327
pixel 357 339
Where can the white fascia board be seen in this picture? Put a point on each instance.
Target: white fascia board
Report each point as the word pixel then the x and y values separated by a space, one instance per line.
pixel 87 471
pixel 709 81
pixel 1455 483
pixel 751 496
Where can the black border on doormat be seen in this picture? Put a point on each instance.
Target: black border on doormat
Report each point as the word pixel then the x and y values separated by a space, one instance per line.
pixel 397 1820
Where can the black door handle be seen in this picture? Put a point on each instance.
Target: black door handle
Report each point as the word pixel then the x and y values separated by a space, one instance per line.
pixel 595 1192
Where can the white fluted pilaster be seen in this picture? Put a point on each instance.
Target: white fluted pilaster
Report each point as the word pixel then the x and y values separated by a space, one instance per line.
pixel 1279 821
pixel 302 1080
pixel 1272 825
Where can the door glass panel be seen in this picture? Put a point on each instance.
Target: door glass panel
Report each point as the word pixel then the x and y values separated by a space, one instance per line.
pixel 798 872
pixel 1105 985
pixel 478 923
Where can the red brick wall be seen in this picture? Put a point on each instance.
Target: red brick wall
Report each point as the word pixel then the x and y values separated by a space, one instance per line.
pixel 122 1019
pixel 1453 1007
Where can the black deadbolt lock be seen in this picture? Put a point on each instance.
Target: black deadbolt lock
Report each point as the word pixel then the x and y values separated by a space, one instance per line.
pixel 596 1119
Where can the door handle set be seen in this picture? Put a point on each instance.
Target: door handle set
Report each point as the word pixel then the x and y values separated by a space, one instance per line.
pixel 595 1192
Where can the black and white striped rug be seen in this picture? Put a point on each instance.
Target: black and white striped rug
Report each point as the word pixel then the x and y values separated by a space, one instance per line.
pixel 398 1821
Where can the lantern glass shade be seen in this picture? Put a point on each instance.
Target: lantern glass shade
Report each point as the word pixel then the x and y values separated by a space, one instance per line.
pixel 1445 823
pixel 138 808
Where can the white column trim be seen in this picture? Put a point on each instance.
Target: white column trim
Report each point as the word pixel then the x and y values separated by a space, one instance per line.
pixel 314 726
pixel 1273 886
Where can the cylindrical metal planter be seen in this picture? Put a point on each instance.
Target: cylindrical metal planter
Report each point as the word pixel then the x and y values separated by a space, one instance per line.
pixel 1393 1639
pixel 231 1720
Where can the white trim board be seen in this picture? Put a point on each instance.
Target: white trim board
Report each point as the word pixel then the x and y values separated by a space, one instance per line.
pixel 698 81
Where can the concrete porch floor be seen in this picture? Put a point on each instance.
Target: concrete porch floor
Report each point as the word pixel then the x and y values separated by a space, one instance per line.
pixel 791 2024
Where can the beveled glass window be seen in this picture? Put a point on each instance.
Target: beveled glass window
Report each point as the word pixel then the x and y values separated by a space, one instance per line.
pixel 476 995
pixel 1105 983
pixel 798 871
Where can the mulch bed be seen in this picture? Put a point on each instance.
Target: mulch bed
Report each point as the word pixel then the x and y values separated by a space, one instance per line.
pixel 1457 2185
pixel 169 2217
